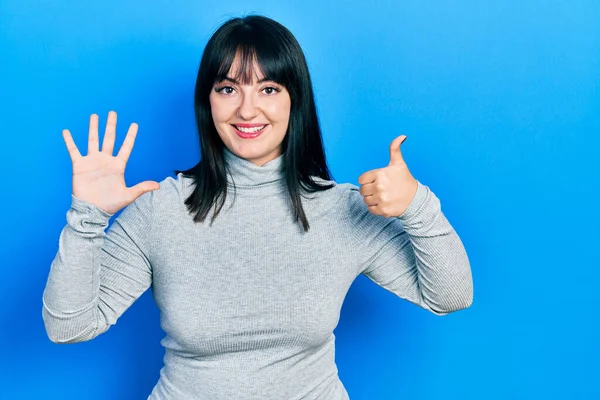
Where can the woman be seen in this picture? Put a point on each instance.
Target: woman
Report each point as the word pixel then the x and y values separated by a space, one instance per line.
pixel 249 291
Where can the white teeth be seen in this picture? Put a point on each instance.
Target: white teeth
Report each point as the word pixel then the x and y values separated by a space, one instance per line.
pixel 250 130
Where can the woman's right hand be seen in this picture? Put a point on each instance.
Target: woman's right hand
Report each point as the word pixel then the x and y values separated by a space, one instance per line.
pixel 98 177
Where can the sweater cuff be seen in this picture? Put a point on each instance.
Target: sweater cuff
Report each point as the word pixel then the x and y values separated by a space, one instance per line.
pixel 416 203
pixel 83 205
pixel 87 219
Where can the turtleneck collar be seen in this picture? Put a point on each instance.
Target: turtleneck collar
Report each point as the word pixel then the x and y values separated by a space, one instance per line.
pixel 246 175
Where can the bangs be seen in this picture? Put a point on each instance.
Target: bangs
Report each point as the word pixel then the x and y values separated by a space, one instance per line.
pixel 258 54
pixel 254 46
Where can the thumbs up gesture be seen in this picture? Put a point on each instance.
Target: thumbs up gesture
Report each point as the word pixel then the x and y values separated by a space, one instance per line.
pixel 388 191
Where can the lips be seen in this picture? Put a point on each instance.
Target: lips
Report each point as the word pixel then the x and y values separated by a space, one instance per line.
pixel 249 131
pixel 248 125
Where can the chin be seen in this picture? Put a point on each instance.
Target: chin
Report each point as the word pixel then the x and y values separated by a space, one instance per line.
pixel 255 154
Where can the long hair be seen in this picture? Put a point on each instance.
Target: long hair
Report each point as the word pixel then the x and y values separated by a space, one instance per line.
pixel 281 60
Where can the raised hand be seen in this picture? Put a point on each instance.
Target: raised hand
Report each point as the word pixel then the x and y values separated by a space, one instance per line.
pixel 388 191
pixel 98 177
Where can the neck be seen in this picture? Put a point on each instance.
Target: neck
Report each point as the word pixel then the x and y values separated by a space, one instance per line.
pixel 245 174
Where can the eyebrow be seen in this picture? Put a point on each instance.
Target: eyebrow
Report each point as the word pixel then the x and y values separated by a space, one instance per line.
pixel 237 83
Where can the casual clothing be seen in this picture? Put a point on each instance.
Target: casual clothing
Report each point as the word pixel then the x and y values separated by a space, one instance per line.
pixel 250 303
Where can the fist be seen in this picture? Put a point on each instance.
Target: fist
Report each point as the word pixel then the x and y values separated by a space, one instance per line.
pixel 388 191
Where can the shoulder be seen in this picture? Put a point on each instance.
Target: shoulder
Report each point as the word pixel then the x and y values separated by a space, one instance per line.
pixel 349 217
pixel 338 189
pixel 173 190
pixel 343 198
pixel 350 197
pixel 355 213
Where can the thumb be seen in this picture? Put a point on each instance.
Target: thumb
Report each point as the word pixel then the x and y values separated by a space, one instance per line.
pixel 143 187
pixel 395 152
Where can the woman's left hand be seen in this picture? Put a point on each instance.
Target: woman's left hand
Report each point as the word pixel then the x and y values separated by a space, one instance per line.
pixel 388 191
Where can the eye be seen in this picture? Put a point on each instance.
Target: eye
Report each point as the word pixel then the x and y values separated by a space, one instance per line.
pixel 270 90
pixel 225 90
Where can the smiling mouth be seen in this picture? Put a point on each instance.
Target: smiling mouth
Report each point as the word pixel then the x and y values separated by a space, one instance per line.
pixel 250 130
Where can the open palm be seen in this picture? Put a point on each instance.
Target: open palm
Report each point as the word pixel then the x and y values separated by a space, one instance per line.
pixel 99 177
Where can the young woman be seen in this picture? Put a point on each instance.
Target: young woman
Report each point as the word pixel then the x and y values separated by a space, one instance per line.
pixel 251 252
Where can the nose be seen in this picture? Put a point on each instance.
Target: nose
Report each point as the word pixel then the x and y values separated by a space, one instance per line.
pixel 247 109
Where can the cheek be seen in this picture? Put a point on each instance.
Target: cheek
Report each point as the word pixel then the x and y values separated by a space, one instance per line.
pixel 279 112
pixel 214 107
pixel 219 110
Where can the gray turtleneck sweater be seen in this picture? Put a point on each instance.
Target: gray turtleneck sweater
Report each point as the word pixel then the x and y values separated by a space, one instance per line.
pixel 250 303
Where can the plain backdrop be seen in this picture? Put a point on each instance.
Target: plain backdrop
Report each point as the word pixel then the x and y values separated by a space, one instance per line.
pixel 500 101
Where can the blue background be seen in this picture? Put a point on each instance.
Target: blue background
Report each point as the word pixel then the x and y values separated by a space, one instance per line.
pixel 501 105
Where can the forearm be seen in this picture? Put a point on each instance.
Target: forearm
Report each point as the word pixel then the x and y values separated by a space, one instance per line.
pixel 443 268
pixel 71 294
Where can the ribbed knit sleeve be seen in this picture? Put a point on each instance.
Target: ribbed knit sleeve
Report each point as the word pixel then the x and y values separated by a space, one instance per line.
pixel 95 276
pixel 418 255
